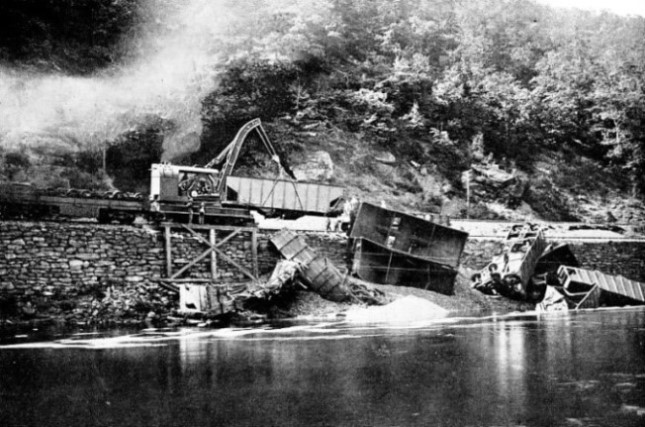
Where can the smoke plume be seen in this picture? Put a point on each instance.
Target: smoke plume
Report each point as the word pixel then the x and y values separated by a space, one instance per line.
pixel 173 65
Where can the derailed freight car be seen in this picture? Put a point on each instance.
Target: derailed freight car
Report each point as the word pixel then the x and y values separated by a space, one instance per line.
pixel 317 272
pixel 510 272
pixel 396 248
pixel 584 288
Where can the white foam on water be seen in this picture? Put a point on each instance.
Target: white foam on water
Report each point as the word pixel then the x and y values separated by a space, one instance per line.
pixel 409 309
pixel 150 338
pixel 323 331
pixel 290 329
pixel 342 329
pixel 314 338
pixel 56 345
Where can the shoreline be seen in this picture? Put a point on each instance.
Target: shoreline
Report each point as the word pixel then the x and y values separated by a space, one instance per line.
pixel 296 305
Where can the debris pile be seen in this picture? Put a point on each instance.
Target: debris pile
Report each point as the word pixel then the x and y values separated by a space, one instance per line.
pixel 318 274
pixel 528 269
pixel 301 268
pixel 117 305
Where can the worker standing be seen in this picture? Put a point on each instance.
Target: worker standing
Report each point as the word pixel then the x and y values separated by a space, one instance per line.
pixel 155 208
pixel 353 210
pixel 202 213
pixel 190 210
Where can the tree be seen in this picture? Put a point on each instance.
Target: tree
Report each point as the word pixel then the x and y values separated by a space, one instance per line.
pixel 69 35
pixel 15 162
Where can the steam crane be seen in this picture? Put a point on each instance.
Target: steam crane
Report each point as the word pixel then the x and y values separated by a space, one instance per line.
pixel 176 192
pixel 227 194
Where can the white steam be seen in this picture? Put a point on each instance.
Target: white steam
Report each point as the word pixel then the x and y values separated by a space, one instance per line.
pixel 172 71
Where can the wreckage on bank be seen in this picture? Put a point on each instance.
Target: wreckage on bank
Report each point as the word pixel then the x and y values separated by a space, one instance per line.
pixel 510 272
pixel 529 269
pixel 388 247
pixel 395 248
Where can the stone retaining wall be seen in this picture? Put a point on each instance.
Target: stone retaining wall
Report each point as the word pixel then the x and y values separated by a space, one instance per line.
pixel 50 268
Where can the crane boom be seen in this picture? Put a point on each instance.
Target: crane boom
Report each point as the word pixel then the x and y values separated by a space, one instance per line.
pixel 215 184
pixel 232 152
pixel 241 135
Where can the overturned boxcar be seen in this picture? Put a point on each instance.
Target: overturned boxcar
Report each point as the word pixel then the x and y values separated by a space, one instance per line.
pixel 591 289
pixel 510 272
pixel 396 248
pixel 379 264
pixel 318 273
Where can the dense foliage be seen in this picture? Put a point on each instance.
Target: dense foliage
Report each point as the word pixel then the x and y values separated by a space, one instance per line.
pixel 522 75
pixel 514 76
pixel 65 35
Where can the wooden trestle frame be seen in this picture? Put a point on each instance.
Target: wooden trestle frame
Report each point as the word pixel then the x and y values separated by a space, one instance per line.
pixel 213 249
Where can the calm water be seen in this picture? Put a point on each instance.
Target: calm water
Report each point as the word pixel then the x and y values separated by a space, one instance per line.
pixel 582 369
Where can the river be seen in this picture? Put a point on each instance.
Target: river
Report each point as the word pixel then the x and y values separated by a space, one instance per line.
pixel 576 369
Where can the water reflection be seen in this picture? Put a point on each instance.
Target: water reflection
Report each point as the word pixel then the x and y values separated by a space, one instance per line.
pixel 585 369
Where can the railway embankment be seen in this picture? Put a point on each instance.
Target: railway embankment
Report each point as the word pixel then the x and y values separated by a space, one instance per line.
pixel 85 273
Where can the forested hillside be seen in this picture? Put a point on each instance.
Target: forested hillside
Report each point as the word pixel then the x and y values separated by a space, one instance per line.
pixel 555 98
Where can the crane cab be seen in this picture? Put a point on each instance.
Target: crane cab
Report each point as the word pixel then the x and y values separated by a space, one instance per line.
pixel 179 184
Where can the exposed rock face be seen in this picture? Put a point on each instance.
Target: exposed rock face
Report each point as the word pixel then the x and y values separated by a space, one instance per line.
pixel 489 182
pixel 623 211
pixel 318 166
pixel 386 158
